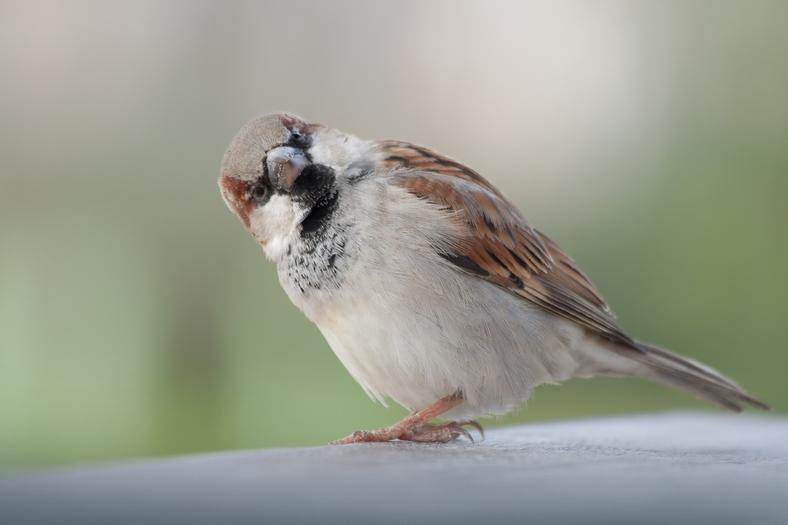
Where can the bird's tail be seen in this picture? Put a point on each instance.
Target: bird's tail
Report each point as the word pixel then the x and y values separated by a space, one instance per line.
pixel 686 374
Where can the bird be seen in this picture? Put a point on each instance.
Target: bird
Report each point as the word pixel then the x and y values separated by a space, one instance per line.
pixel 428 284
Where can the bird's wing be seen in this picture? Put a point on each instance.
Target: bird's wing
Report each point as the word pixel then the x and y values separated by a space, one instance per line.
pixel 498 244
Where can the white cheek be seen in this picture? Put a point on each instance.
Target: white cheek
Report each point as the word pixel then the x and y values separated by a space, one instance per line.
pixel 274 224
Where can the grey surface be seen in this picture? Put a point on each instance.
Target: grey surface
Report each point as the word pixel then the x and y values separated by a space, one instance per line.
pixel 665 468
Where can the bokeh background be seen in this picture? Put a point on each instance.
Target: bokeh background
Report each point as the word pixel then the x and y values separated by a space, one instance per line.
pixel 138 318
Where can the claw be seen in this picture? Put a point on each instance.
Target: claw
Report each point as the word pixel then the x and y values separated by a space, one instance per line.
pixel 458 430
pixel 475 424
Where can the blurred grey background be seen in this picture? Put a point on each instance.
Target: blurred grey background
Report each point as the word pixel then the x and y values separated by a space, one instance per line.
pixel 138 318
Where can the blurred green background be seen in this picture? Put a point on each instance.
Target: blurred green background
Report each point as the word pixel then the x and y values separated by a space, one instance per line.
pixel 138 318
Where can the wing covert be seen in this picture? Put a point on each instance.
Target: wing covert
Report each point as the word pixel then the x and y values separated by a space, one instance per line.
pixel 498 244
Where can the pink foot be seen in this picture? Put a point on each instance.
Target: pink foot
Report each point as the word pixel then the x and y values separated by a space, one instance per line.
pixel 419 432
pixel 416 427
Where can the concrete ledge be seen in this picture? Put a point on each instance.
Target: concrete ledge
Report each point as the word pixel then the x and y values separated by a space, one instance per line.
pixel 665 468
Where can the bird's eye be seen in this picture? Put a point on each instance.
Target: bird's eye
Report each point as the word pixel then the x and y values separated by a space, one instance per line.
pixel 259 193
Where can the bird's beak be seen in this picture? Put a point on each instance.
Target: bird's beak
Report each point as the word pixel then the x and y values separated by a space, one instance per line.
pixel 235 195
pixel 284 166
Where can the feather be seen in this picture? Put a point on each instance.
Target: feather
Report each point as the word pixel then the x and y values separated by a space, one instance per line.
pixel 498 244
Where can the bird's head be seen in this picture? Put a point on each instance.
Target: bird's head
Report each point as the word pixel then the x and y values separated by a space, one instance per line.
pixel 282 176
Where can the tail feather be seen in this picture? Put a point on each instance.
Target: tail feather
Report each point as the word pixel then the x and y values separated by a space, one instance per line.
pixel 691 376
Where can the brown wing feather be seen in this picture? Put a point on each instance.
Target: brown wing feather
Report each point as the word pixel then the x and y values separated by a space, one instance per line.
pixel 500 246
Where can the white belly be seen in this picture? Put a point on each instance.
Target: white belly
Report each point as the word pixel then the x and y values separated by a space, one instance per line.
pixel 409 326
pixel 416 338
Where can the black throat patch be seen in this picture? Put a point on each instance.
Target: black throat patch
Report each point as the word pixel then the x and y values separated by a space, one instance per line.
pixel 318 258
pixel 315 189
pixel 320 215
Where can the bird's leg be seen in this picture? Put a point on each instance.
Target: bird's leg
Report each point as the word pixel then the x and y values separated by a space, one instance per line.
pixel 416 427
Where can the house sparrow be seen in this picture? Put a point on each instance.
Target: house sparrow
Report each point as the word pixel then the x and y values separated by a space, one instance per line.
pixel 427 283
